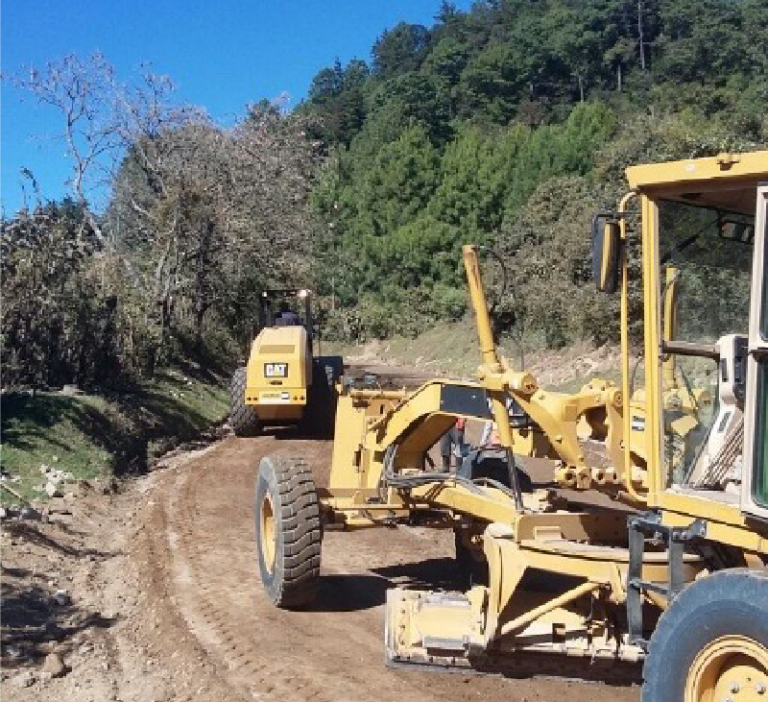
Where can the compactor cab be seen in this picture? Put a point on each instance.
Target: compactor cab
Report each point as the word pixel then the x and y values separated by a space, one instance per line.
pixel 283 383
pixel 286 308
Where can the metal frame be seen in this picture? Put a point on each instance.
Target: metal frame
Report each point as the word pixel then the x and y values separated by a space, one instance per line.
pixel 758 347
pixel 675 539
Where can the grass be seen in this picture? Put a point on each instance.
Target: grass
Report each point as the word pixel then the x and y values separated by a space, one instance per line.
pixel 95 436
pixel 449 348
pixel 453 349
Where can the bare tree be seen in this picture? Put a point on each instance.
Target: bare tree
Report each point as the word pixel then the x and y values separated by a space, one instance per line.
pixel 199 216
pixel 81 91
pixel 103 118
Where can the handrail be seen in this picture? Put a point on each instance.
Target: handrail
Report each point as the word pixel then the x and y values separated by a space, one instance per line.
pixel 626 420
pixel 690 348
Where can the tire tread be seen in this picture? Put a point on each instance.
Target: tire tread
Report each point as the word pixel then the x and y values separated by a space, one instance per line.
pixel 300 529
pixel 242 418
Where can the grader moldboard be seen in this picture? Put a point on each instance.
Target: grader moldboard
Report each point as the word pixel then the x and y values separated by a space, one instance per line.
pixel 681 583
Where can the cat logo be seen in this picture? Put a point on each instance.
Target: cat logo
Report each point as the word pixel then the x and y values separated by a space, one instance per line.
pixel 275 370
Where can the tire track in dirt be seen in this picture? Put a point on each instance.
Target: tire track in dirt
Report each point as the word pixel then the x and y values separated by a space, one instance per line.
pixel 201 581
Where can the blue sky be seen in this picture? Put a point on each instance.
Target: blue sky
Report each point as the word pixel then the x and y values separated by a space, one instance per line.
pixel 222 55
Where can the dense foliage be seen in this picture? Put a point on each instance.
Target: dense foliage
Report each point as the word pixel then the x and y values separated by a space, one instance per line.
pixel 200 219
pixel 506 125
pixel 510 125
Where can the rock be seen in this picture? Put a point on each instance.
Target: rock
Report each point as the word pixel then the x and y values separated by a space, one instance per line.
pixel 52 489
pixel 54 666
pixel 30 513
pixel 25 679
pixel 12 651
pixel 71 390
pixel 62 598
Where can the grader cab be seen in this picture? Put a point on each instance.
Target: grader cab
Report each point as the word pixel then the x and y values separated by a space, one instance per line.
pixel 672 573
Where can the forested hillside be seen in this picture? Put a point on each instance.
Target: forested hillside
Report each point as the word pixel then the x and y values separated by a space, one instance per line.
pixel 508 125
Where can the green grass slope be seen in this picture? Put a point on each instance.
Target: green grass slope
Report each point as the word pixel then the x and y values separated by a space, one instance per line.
pixel 452 349
pixel 94 436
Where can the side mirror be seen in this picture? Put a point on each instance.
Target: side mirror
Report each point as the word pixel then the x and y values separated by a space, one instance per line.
pixel 735 230
pixel 606 247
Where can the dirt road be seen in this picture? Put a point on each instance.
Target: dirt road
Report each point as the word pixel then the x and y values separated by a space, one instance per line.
pixel 182 615
pixel 199 533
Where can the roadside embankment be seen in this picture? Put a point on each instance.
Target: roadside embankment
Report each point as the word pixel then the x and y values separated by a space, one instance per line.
pixel 452 349
pixel 58 437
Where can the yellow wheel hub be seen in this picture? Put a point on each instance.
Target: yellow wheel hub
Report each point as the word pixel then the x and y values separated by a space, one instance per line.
pixel 729 669
pixel 267 532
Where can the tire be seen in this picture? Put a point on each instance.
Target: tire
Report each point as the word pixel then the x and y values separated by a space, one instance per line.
pixel 288 531
pixel 320 415
pixel 242 417
pixel 729 603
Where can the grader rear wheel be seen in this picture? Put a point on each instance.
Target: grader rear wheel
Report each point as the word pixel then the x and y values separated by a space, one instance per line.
pixel 712 642
pixel 288 533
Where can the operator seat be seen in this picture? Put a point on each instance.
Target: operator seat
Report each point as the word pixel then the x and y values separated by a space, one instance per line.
pixel 719 465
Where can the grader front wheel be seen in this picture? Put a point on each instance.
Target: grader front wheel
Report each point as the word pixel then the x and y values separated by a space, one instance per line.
pixel 288 531
pixel 712 642
pixel 726 667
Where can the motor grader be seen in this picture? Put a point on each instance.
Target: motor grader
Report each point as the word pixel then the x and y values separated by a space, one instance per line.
pixel 679 582
pixel 284 382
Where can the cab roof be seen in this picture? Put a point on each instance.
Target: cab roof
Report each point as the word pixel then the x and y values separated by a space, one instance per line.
pixel 726 181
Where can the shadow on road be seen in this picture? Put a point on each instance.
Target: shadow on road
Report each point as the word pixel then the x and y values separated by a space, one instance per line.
pixel 350 593
pixel 353 592
pixel 32 620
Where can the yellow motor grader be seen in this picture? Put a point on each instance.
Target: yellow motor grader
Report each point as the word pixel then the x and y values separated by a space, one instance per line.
pixel 679 582
pixel 284 382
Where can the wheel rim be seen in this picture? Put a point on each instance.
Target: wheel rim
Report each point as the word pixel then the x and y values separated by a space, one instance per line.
pixel 267 532
pixel 731 667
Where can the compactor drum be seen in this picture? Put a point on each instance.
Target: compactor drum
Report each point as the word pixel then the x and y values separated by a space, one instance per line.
pixel 284 383
pixel 671 573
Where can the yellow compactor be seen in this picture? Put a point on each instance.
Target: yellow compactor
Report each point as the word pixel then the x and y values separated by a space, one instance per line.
pixel 284 381
pixel 672 574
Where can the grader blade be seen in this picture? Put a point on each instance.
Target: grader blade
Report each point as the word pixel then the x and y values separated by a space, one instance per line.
pixel 414 637
pixel 441 632
pixel 430 631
